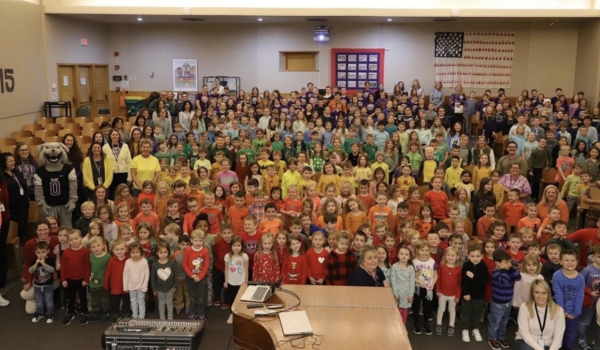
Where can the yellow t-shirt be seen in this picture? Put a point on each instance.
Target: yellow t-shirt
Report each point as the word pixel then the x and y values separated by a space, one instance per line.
pixel 385 167
pixel 145 168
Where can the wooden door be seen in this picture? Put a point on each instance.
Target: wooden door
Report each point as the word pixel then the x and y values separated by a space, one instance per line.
pixel 84 90
pixel 66 85
pixel 101 92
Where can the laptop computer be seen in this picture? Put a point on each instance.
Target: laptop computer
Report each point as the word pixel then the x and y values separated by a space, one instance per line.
pixel 259 292
pixel 295 323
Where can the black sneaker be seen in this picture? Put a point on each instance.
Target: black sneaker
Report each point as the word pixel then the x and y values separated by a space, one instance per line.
pixel 428 331
pixel 417 330
pixel 83 319
pixel 503 343
pixel 37 317
pixel 68 318
pixel 94 317
pixel 104 317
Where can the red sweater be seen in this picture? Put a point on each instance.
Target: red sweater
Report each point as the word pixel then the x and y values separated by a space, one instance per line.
pixel 220 249
pixel 439 203
pixel 113 276
pixel 75 265
pixel 317 263
pixel 295 269
pixel 491 265
pixel 188 222
pixel 250 245
pixel 588 238
pixel 195 262
pixel 448 282
pixel 282 253
pixel 265 269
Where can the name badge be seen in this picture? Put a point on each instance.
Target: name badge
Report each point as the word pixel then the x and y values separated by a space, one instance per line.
pixel 21 192
pixel 2 209
pixel 541 343
pixel 100 182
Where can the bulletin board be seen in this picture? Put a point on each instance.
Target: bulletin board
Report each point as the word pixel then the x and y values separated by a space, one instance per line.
pixel 351 68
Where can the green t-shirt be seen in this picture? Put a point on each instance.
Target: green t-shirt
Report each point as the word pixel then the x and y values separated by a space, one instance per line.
pixel 370 150
pixel 97 267
pixel 165 155
pixel 258 144
pixel 249 152
pixel 277 145
pixel 176 156
pixel 348 144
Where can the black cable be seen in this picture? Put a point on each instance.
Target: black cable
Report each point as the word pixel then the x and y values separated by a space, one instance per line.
pixel 253 318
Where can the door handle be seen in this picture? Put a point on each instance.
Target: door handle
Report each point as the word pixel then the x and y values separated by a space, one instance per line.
pixel 73 99
pixel 106 97
pixel 90 96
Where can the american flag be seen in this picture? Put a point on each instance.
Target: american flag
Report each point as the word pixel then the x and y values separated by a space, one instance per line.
pixel 474 59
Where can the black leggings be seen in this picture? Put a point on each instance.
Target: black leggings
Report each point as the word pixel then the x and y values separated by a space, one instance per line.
pixel 74 288
pixel 418 300
pixel 115 301
pixel 118 178
pixel 3 257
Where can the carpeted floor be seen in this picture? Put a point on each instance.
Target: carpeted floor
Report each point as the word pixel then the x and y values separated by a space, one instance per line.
pixel 17 331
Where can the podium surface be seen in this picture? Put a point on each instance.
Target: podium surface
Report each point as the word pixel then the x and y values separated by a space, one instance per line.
pixel 342 317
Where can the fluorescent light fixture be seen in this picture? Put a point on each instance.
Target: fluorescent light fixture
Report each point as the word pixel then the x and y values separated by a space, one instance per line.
pixel 260 19
pixel 389 19
pixel 140 19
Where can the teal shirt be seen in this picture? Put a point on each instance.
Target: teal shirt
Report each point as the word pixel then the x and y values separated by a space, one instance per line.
pixel 348 144
pixel 98 267
pixel 277 145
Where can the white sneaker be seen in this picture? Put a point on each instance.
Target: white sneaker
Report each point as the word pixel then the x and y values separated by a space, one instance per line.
pixel 477 335
pixel 230 319
pixel 465 336
pixel 4 302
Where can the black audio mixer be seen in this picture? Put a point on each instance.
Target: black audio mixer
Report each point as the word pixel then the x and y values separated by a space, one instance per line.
pixel 148 334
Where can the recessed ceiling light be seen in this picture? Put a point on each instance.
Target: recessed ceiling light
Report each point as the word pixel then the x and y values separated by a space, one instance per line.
pixel 260 19
pixel 140 19
pixel 389 19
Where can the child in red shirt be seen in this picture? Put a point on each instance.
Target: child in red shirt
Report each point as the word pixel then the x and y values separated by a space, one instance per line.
pixel 180 196
pixel 196 261
pixel 295 265
pixel 220 249
pixel 341 261
pixel 215 215
pixel 189 218
pixel 146 215
pixel 390 246
pixel 438 199
pixel 282 246
pixel 75 276
pixel 266 265
pixel 489 246
pixel 448 288
pixel 292 206
pixel 275 198
pixel 113 280
pixel 316 257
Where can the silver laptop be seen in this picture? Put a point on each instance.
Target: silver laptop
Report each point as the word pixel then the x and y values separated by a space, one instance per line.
pixel 257 294
pixel 295 323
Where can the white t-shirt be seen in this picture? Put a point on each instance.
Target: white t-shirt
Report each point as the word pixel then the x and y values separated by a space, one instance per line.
pixel 236 274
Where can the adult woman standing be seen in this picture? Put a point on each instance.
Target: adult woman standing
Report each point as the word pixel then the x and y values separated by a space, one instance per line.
pixel 457 104
pixel 437 95
pixel 4 202
pixel 144 167
pixel 515 180
pixel 550 199
pixel 117 124
pixel 541 321
pixel 27 165
pixel 367 273
pixel 482 148
pixel 119 155
pixel 186 115
pixel 134 141
pixel 18 201
pixel 97 170
pixel 163 120
pixel 42 234
pixel 76 160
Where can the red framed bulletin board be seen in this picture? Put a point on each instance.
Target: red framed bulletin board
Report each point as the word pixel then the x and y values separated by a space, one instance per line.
pixel 351 68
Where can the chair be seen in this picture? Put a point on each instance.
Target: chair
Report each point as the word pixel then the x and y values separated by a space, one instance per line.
pixel 53 139
pixel 8 148
pixel 84 148
pixel 127 126
pixel 63 120
pixel 30 141
pixel 13 241
pixel 88 132
pixel 470 168
pixel 34 212
pixel 53 127
pixel 44 133
pixel 63 132
pixel 72 126
pixel 8 141
pixel 92 126
pixel 423 189
pixel 44 121
pixel 84 111
pixel 81 139
pixel 32 127
pixel 104 112
pixel 548 178
pixel 132 120
pixel 100 120
pixel 83 120
pixel 20 134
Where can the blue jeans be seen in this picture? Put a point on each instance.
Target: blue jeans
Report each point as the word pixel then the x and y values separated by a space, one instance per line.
pixel 571 327
pixel 499 314
pixel 586 319
pixel 44 295
pixel 138 303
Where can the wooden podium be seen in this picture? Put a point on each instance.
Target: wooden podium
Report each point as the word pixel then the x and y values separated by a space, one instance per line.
pixel 345 317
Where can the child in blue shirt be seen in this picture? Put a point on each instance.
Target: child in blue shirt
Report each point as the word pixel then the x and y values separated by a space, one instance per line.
pixel 591 276
pixel 569 286
pixel 503 282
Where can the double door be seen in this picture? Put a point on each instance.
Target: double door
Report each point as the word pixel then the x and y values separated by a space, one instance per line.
pixel 84 85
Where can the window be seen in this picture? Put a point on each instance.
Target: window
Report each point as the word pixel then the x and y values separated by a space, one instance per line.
pixel 298 61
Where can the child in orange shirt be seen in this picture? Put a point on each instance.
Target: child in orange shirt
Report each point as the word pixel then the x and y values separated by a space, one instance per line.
pixel 425 223
pixel 484 222
pixel 180 196
pixel 546 232
pixel 364 196
pixel 271 223
pixel 160 200
pixel 148 216
pixel 275 198
pixel 123 217
pixel 381 212
pixel 188 218
pixel 237 213
pixel 147 192
pixel 330 206
pixel 292 206
pixel 122 194
pixel 513 210
pixel 438 199
pixel 195 192
pixel 414 202
pixel 234 188
pixel 531 220
pixel 355 215
pixel 215 215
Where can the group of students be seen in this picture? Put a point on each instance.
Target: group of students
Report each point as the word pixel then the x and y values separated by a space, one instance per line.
pixel 241 205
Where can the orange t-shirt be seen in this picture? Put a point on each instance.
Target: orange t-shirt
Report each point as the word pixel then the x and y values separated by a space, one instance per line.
pixel 199 197
pixel 353 222
pixel 271 226
pixel 152 219
pixel 130 222
pixel 292 205
pixel 160 206
pixel 534 224
pixel 379 214
pixel 215 217
pixel 482 226
pixel 236 218
pixel 513 213
pixel 547 223
pixel 439 203
pixel 424 227
pixel 149 196
pixel 249 199
pixel 414 207
pixel 367 201
pixel 188 222
pixel 339 225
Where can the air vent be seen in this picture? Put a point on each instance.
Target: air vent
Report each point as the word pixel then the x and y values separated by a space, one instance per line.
pixel 445 20
pixel 316 19
pixel 193 19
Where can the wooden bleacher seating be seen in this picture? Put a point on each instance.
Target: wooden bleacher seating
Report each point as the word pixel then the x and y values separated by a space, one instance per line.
pixel 88 132
pixel 32 127
pixel 91 126
pixel 20 134
pixel 99 120
pixel 8 148
pixel 63 120
pixel 52 139
pixel 83 120
pixel 84 148
pixel 548 176
pixel 8 141
pixel 53 127
pixel 72 126
pixel 44 133
pixel 44 121
pixel 63 132
pixel 81 139
pixel 14 242
pixel 30 141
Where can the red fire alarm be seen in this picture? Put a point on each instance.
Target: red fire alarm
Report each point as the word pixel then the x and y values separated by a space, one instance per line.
pixel 116 54
pixel 117 67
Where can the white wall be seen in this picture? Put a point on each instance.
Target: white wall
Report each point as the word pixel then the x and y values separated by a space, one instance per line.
pixel 587 74
pixel 62 35
pixel 544 57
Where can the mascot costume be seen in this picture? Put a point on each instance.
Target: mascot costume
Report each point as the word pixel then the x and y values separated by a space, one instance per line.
pixel 55 183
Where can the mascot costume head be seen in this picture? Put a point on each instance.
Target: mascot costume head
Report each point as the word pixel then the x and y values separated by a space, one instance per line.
pixel 55 182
